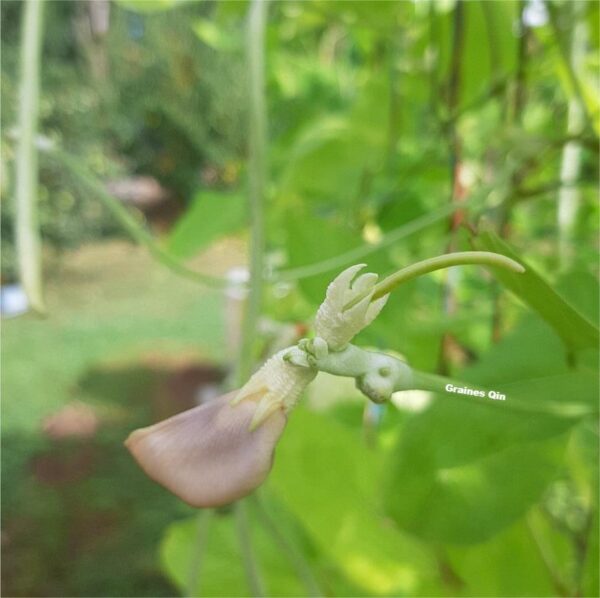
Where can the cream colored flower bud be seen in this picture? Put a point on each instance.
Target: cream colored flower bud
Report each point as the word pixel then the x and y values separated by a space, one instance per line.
pixel 338 326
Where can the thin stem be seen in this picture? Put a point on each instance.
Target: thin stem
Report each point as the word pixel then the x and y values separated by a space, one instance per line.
pixel 255 50
pixel 436 383
pixel 495 88
pixel 433 48
pixel 463 258
pixel 255 581
pixel 129 223
pixel 28 240
pixel 432 382
pixel 523 195
pixel 569 196
pixel 581 541
pixel 395 99
pixel 255 41
pixel 458 26
pixel 569 66
pixel 353 255
pixel 544 551
pixel 295 557
pixel 475 203
pixel 459 191
pixel 513 115
pixel 493 44
pixel 193 581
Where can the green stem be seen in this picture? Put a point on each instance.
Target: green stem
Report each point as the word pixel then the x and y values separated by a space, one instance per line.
pixel 255 581
pixel 475 203
pixel 255 41
pixel 255 49
pixel 435 383
pixel 570 68
pixel 129 223
pixel 28 240
pixel 432 382
pixel 193 581
pixel 569 197
pixel 545 553
pixel 302 568
pixel 463 258
pixel 354 255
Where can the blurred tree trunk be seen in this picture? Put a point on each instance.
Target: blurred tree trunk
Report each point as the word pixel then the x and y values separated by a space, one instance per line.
pixel 91 25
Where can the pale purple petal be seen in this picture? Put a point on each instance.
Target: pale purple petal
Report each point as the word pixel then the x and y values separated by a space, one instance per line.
pixel 208 456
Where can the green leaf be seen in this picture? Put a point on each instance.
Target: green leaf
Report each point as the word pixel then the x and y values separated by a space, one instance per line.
pixel 509 564
pixel 210 216
pixel 400 209
pixel 378 15
pixel 221 572
pixel 326 163
pixel 215 35
pixel 150 6
pixel 335 155
pixel 435 492
pixel 531 349
pixel 327 478
pixel 571 395
pixel 574 329
pixel 464 469
pixel 580 289
pixel 488 46
pixel 311 239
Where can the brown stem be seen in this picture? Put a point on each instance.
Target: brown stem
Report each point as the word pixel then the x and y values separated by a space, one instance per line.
pixel 581 545
pixel 549 564
pixel 458 193
pixel 449 576
pixel 515 117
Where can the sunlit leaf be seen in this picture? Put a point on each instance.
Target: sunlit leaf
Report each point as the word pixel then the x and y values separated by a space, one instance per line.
pixel 210 216
pixel 219 569
pixel 150 6
pixel 455 478
pixel 478 568
pixel 325 475
pixel 464 469
pixel 326 163
pixel 215 35
pixel 575 330
pixel 311 239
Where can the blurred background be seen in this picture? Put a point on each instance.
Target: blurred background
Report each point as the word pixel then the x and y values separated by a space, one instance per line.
pixel 395 131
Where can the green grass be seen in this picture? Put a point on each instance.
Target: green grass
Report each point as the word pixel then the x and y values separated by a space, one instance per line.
pixel 102 308
pixel 79 518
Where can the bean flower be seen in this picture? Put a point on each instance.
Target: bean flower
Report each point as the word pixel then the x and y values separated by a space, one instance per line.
pixel 222 450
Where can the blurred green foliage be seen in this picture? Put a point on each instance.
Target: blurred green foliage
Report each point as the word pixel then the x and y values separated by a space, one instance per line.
pixel 382 116
pixel 148 98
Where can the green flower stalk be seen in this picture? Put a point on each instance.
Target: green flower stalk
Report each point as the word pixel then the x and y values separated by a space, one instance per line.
pixel 221 451
pixel 28 240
